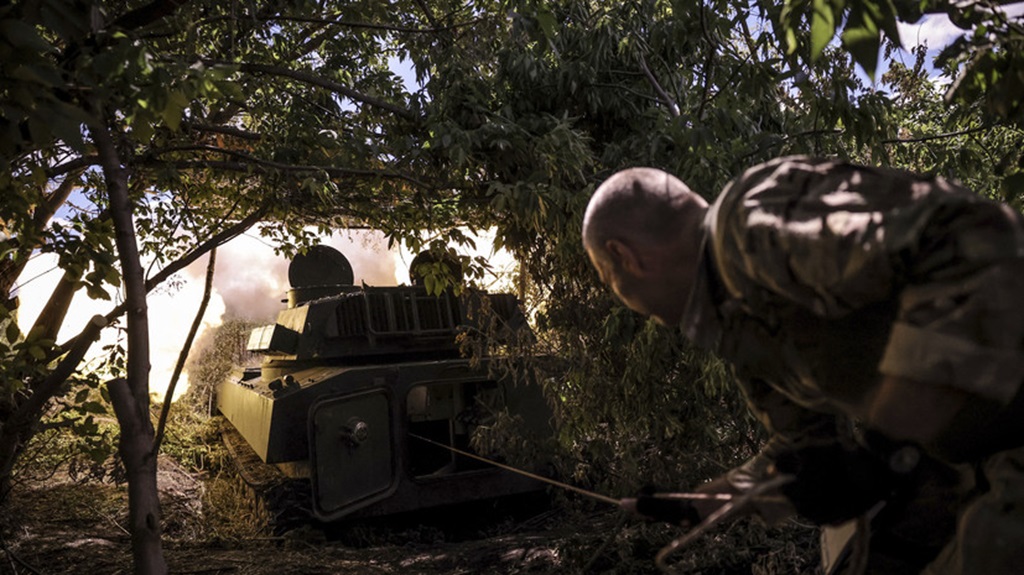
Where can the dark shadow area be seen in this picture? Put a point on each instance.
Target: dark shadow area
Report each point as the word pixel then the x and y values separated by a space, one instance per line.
pixel 468 521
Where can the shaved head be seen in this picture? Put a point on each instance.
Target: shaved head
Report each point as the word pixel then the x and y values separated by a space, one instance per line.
pixel 643 206
pixel 642 231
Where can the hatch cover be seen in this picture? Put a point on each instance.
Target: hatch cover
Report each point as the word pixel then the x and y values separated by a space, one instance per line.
pixel 351 452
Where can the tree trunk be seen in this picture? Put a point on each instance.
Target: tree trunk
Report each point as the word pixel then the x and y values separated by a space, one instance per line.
pixel 131 396
pixel 51 318
pixel 136 451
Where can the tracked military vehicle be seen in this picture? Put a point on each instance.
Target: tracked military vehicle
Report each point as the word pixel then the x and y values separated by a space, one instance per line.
pixel 362 389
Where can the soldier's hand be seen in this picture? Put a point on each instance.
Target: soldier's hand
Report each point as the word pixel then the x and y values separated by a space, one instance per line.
pixel 834 483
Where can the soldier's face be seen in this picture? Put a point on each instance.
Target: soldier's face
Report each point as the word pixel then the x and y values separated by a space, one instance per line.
pixel 647 293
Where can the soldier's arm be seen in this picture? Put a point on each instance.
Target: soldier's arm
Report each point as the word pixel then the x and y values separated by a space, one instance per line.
pixel 791 427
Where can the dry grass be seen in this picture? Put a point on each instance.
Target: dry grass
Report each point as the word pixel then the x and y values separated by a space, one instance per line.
pixel 230 511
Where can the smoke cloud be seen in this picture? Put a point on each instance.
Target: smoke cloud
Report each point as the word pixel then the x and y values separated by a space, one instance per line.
pixel 251 280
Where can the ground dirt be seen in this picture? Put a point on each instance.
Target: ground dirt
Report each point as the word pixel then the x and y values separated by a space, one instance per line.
pixel 64 527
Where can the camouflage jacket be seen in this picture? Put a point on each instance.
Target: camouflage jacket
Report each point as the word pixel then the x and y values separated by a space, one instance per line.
pixel 808 282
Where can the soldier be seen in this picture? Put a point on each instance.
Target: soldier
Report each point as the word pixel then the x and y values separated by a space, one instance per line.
pixel 873 319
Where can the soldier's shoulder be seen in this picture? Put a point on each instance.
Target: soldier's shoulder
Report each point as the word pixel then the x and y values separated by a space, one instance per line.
pixel 808 176
pixel 776 173
pixel 774 179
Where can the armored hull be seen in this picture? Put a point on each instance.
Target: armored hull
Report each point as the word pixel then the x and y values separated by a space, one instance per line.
pixel 354 382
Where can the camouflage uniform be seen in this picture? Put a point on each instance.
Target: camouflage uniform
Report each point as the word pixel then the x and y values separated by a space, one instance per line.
pixel 817 277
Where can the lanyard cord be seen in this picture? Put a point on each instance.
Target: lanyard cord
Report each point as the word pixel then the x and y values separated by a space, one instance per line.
pixel 591 494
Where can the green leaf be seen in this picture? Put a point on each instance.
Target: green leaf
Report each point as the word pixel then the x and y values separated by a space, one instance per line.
pixel 82 395
pixel 22 35
pixel 886 20
pixel 112 276
pixel 95 291
pixel 176 104
pixel 13 333
pixel 546 21
pixel 863 39
pixel 44 75
pixel 142 128
pixel 230 89
pixel 109 63
pixel 89 426
pixel 66 124
pixel 823 27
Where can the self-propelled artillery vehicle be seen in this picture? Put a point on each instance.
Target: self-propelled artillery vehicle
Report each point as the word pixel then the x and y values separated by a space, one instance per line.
pixel 362 390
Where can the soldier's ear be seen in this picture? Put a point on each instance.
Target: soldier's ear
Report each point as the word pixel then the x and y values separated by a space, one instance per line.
pixel 624 256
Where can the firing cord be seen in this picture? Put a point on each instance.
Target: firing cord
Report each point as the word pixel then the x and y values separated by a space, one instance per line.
pixel 591 494
pixel 573 488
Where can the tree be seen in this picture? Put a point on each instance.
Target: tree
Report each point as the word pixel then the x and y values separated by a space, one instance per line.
pixel 933 138
pixel 984 65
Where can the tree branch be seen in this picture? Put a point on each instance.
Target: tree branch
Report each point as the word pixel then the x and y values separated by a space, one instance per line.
pixel 146 15
pixel 251 163
pixel 136 428
pixel 226 130
pixel 56 199
pixel 937 136
pixel 140 466
pixel 672 106
pixel 116 179
pixel 709 63
pixel 32 408
pixel 70 166
pixel 11 268
pixel 628 90
pixel 52 316
pixel 331 85
pixel 221 238
pixel 165 409
pixel 787 137
pixel 435 27
pixel 427 12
